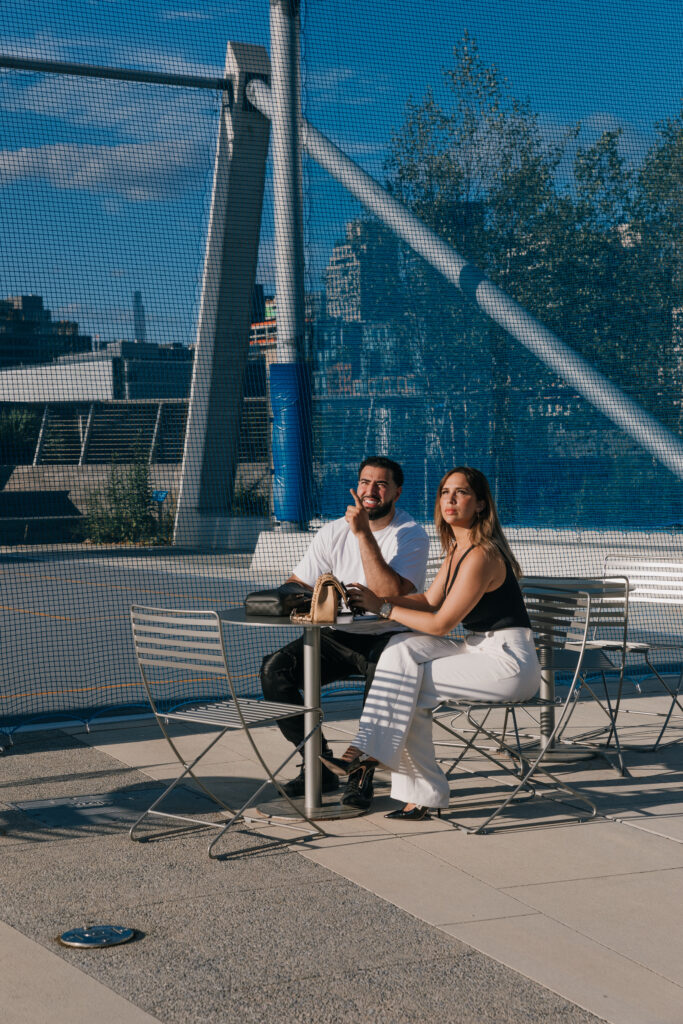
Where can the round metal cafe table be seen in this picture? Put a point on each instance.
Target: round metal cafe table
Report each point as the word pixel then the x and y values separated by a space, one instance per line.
pixel 313 804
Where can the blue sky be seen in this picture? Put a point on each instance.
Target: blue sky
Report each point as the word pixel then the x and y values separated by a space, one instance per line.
pixel 104 187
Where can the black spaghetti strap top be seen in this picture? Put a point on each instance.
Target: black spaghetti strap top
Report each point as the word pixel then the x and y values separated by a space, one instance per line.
pixel 502 608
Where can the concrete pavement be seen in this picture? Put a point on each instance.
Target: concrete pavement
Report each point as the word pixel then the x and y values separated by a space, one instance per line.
pixel 381 920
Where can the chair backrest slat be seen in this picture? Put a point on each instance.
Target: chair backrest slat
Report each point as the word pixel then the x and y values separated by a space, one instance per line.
pixel 649 581
pixel 608 605
pixel 179 657
pixel 655 595
pixel 217 670
pixel 178 641
pixel 558 617
pixel 168 621
pixel 175 631
pixel 169 641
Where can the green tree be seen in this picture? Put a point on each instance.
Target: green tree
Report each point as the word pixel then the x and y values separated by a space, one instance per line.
pixel 579 237
pixel 598 258
pixel 479 169
pixel 658 220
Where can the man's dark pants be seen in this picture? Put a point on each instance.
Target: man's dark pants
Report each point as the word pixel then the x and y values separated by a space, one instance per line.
pixel 342 654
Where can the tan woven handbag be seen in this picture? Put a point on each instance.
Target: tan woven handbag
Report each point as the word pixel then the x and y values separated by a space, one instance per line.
pixel 324 603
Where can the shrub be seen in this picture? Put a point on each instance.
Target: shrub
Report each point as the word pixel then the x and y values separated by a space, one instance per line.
pixel 123 510
pixel 18 435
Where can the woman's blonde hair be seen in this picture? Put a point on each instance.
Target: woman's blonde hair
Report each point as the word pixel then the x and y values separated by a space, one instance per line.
pixel 486 530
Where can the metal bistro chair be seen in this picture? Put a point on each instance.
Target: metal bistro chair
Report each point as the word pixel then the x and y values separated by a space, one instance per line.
pixel 604 655
pixel 655 628
pixel 174 643
pixel 561 619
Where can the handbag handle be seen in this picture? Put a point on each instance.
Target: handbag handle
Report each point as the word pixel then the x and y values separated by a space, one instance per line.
pixel 324 601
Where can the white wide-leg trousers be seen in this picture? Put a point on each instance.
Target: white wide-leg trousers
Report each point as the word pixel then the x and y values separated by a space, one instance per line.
pixel 414 673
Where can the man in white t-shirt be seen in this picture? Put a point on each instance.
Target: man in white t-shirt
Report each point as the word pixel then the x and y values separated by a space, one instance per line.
pixel 377 545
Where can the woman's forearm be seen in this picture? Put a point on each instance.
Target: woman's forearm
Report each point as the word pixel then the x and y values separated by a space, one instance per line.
pixel 422 618
pixel 418 601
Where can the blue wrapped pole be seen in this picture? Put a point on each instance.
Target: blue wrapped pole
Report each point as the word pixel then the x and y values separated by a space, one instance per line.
pixel 290 401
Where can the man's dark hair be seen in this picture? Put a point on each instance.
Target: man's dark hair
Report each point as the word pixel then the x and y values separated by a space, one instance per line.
pixel 383 463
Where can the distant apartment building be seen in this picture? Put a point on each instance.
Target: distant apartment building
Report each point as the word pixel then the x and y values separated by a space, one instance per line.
pixel 29 335
pixel 262 352
pixel 361 279
pixel 263 336
pixel 358 346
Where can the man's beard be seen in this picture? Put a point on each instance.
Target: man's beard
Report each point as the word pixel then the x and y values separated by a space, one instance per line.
pixel 380 511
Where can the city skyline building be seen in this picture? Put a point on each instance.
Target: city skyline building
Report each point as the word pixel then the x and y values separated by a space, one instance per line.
pixel 28 334
pixel 123 370
pixel 362 273
pixel 139 324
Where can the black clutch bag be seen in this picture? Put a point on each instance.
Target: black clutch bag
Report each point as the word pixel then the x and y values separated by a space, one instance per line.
pixel 278 603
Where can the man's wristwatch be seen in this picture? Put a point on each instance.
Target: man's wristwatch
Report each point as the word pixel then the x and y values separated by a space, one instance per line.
pixel 385 610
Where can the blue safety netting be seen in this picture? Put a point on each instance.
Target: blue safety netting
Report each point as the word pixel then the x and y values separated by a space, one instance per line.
pixel 543 146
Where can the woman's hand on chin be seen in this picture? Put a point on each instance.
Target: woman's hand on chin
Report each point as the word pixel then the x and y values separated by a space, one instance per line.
pixel 362 597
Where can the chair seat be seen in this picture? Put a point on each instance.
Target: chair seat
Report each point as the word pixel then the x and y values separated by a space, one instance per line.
pixel 617 645
pixel 661 642
pixel 224 713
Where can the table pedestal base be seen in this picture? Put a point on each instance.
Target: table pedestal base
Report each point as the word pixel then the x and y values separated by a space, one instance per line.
pixel 329 810
pixel 562 753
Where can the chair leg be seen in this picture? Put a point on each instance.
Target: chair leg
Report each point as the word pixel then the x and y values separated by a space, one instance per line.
pixel 469 744
pixel 611 713
pixel 623 770
pixel 675 702
pixel 190 769
pixel 235 815
pixel 532 770
pixel 675 695
pixel 315 828
pixel 187 771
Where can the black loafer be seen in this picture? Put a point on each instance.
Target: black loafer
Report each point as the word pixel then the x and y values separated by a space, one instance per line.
pixel 415 814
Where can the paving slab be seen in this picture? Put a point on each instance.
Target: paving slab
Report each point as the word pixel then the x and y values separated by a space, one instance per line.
pixel 414 880
pixel 562 854
pixel 636 915
pixel 531 897
pixel 583 970
pixel 664 826
pixel 36 981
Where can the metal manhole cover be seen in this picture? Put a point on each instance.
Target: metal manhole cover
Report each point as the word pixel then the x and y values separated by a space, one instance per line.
pixel 95 936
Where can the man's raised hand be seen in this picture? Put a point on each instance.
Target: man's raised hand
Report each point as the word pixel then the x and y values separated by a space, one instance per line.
pixel 356 516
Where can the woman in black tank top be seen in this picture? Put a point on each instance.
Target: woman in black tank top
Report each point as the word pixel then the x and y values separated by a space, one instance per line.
pixel 477 587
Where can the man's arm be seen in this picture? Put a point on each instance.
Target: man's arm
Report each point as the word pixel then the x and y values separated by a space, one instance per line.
pixel 398 588
pixel 379 576
pixel 295 579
